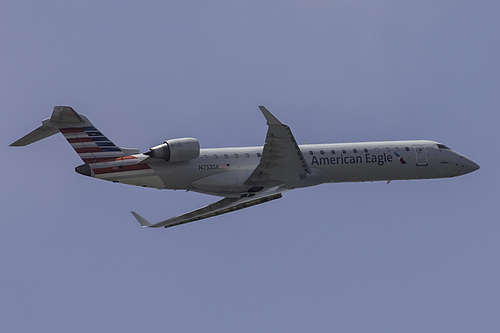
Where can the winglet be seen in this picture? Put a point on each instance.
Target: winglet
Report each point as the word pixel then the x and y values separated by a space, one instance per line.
pixel 271 120
pixel 142 220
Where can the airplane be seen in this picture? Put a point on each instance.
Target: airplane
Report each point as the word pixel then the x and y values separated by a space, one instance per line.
pixel 246 176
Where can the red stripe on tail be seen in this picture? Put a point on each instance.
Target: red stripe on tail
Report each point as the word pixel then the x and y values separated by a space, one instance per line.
pixel 88 150
pixel 71 130
pixel 78 140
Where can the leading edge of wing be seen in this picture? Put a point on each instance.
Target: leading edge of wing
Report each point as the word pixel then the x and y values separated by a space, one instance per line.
pixel 220 207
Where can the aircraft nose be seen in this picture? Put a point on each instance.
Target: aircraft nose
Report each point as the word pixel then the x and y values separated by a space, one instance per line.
pixel 467 165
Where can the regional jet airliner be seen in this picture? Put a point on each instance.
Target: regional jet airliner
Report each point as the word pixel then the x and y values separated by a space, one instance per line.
pixel 246 176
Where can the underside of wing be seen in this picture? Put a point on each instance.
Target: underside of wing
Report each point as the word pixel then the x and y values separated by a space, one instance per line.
pixel 282 161
pixel 223 206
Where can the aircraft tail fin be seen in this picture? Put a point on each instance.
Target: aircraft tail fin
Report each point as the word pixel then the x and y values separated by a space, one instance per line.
pixel 89 143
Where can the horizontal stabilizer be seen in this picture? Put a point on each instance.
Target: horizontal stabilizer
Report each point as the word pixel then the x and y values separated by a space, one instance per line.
pixel 62 116
pixel 65 114
pixel 40 133
pixel 223 206
pixel 89 143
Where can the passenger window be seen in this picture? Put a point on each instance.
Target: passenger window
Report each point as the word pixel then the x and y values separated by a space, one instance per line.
pixel 225 156
pixel 333 151
pixel 407 149
pixel 247 155
pixel 396 149
pixel 236 155
pixel 322 152
pixel 377 150
pixel 344 151
pixel 311 152
pixel 216 157
pixel 387 149
pixel 205 156
pixel 355 151
pixel 258 154
pixel 366 150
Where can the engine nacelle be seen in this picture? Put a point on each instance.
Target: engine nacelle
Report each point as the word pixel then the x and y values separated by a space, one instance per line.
pixel 176 150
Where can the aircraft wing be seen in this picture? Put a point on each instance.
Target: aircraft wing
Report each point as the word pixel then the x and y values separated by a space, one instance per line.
pixel 282 161
pixel 223 206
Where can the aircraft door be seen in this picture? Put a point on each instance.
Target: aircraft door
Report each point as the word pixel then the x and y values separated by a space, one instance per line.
pixel 421 155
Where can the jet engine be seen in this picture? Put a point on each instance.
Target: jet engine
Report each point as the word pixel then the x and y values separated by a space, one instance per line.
pixel 176 150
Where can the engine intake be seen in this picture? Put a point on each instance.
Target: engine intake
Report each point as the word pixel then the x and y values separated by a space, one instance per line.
pixel 176 150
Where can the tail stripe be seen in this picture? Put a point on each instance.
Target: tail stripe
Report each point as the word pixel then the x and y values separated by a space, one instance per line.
pixel 88 150
pixel 71 130
pixel 92 159
pixel 99 138
pixel 90 144
pixel 110 149
pixel 104 143
pixel 78 140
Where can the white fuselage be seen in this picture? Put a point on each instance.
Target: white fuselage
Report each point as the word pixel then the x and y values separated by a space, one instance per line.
pixel 245 176
pixel 223 171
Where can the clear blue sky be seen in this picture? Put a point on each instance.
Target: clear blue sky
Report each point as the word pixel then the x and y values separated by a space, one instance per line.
pixel 418 256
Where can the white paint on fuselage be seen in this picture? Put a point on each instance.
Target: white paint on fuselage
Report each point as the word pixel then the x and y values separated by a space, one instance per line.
pixel 223 171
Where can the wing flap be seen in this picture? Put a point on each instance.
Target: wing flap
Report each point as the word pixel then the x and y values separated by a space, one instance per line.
pixel 220 207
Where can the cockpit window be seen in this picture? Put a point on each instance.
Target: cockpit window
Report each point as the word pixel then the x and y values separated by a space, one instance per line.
pixel 440 146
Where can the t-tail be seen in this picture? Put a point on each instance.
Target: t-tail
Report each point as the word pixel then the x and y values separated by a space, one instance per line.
pixel 89 143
